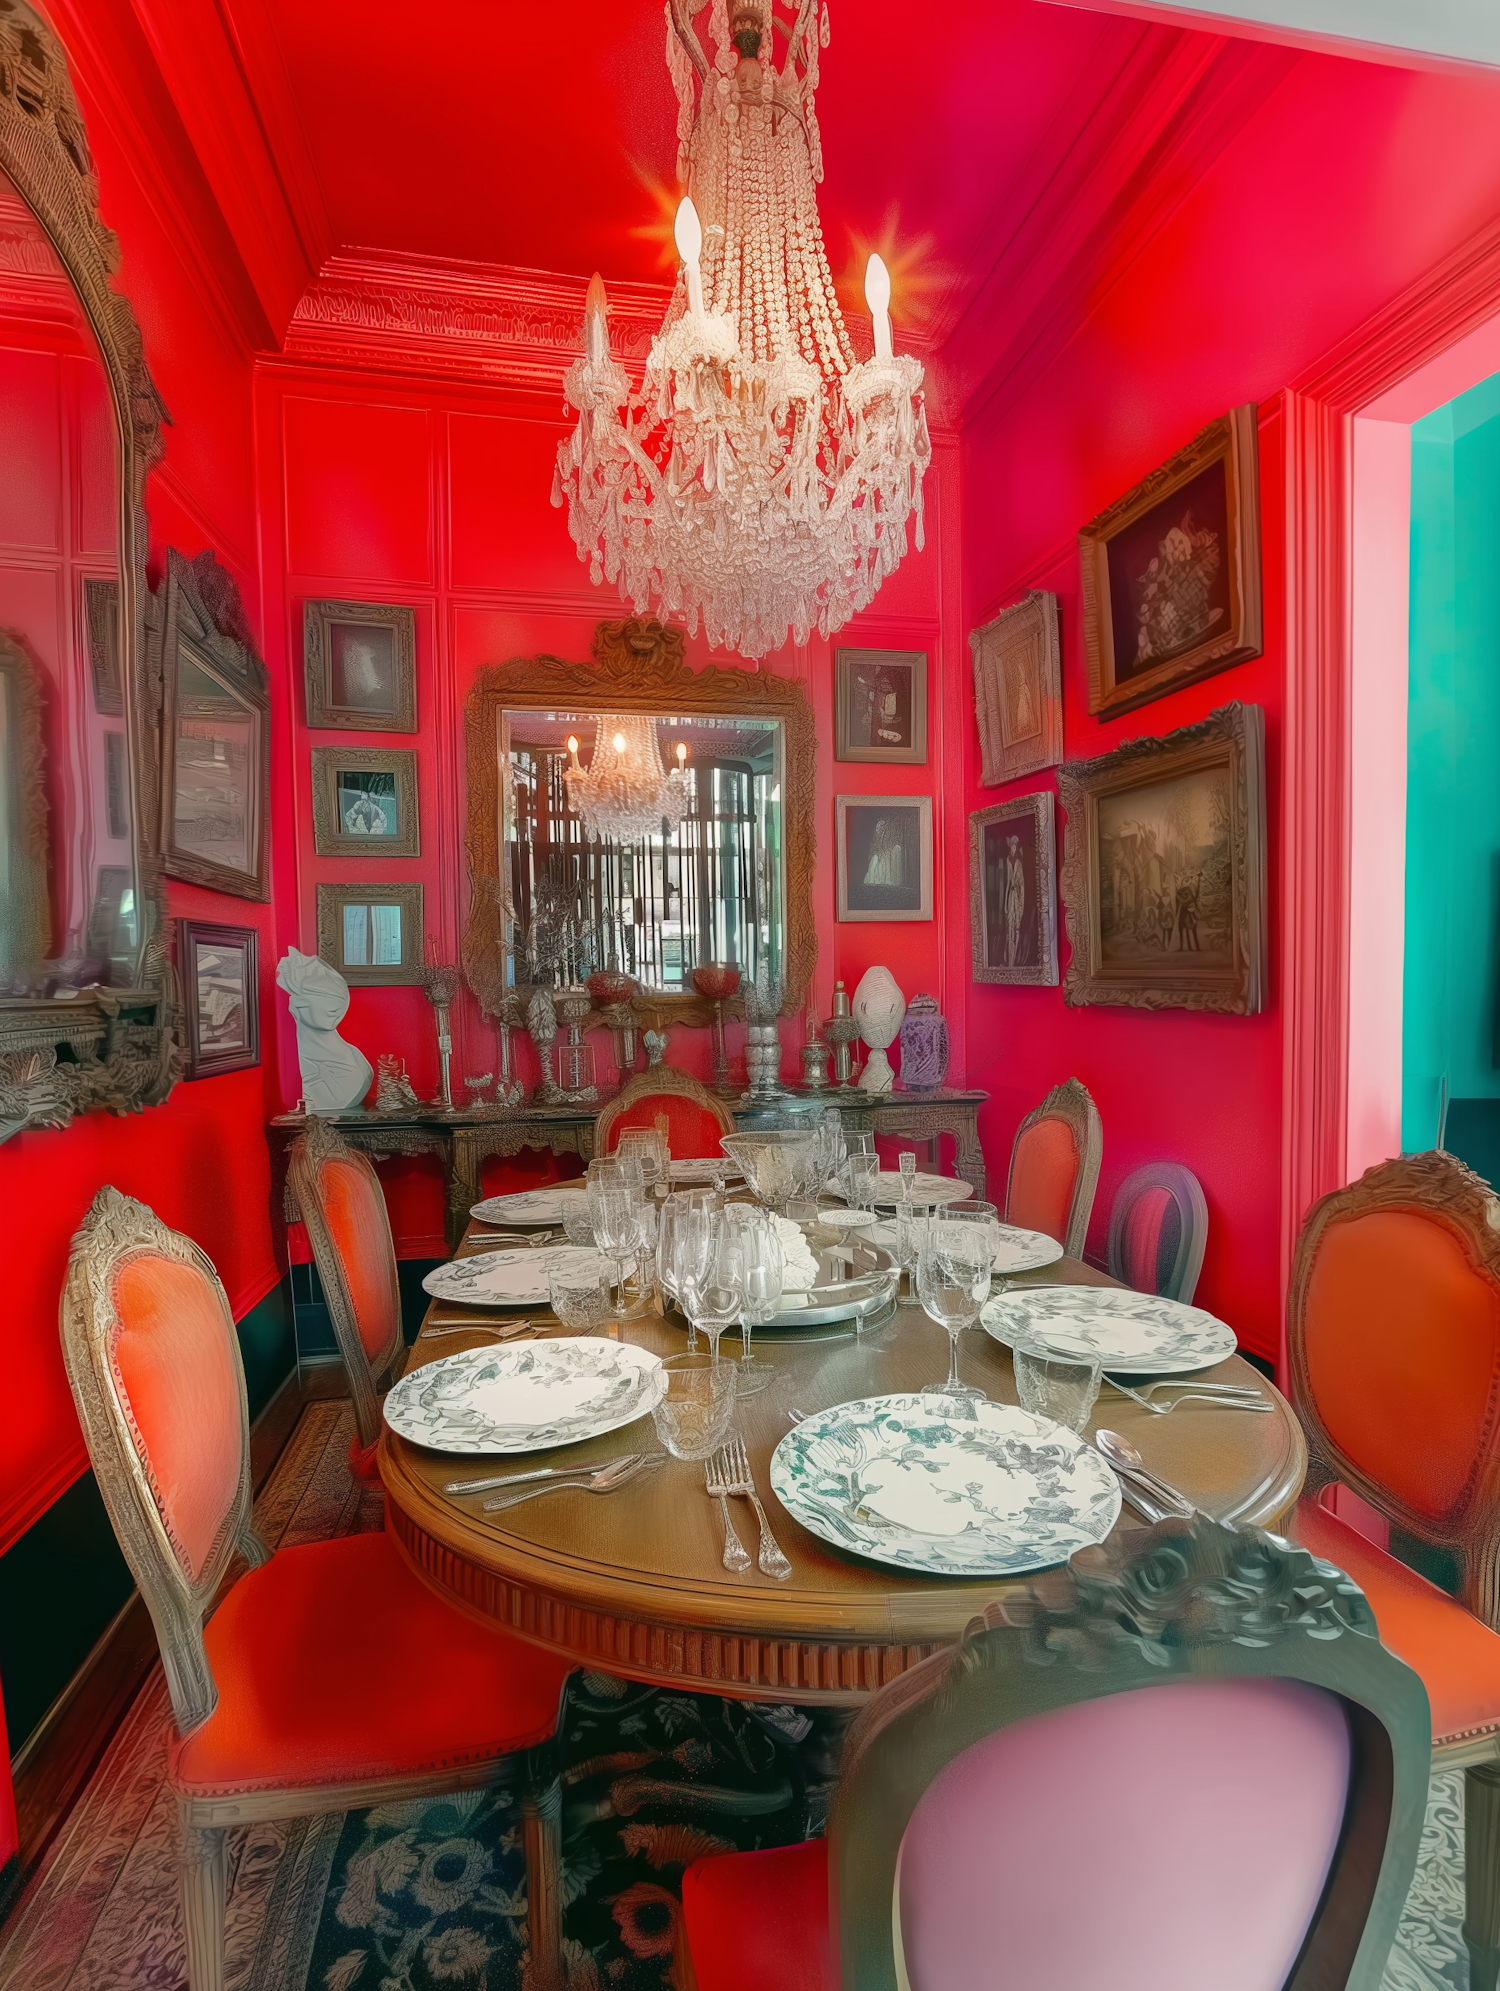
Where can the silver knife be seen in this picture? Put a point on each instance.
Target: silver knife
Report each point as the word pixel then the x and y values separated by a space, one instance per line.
pixel 497 1480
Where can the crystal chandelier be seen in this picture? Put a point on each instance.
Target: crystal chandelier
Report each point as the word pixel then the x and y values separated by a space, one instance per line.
pixel 761 477
pixel 624 792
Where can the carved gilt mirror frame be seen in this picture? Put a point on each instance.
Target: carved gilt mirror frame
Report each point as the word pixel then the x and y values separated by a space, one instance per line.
pixel 120 1047
pixel 638 667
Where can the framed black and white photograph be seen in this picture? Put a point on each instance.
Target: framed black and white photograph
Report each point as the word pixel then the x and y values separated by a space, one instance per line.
pixel 1013 891
pixel 884 856
pixel 880 705
pixel 365 802
pixel 371 933
pixel 217 967
pixel 360 664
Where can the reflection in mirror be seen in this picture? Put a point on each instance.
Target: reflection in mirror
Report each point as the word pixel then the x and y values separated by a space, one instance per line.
pixel 79 921
pixel 711 889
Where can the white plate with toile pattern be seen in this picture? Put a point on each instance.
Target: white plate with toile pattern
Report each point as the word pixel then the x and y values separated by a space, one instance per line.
pixel 1018 1250
pixel 1137 1333
pixel 527 1397
pixel 530 1206
pixel 953 1489
pixel 515 1278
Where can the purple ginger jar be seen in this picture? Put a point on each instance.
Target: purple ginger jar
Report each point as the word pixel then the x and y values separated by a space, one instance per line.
pixel 924 1046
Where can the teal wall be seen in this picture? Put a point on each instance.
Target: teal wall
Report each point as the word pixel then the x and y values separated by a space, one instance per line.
pixel 1453 765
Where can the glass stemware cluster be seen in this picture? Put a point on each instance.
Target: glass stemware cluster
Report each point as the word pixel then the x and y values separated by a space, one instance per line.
pixel 622 1222
pixel 722 1264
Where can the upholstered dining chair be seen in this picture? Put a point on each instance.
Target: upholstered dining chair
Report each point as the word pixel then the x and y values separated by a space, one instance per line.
pixel 329 1676
pixel 1054 1167
pixel 1158 1227
pixel 1393 1353
pixel 349 1229
pixel 695 1119
pixel 1092 1786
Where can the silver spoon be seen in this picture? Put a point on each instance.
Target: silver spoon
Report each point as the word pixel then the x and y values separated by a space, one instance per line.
pixel 1123 1456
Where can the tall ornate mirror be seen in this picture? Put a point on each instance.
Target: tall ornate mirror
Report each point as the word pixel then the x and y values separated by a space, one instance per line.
pixel 566 879
pixel 85 1011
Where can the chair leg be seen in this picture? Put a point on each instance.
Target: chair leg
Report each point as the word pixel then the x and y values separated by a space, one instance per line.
pixel 203 1905
pixel 1482 1874
pixel 541 1838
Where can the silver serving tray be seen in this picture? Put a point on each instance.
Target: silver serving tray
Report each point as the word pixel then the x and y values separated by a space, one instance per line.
pixel 855 1279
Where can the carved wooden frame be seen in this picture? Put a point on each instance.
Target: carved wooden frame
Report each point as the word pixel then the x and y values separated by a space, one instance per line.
pixel 408 895
pixel 1073 1104
pixel 317 664
pixel 1232 441
pixel 331 841
pixel 190 934
pixel 1040 807
pixel 657 1080
pixel 200 611
pixel 1183 1600
pixel 639 666
pixel 1439 1188
pixel 26 913
pixel 916 662
pixel 1234 737
pixel 1030 622
pixel 124 1048
pixel 116 1230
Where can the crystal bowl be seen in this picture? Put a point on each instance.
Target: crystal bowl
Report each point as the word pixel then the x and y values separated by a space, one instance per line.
pixel 781 1164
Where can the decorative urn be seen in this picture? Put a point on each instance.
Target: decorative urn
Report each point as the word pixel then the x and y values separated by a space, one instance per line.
pixel 924 1045
pixel 878 1008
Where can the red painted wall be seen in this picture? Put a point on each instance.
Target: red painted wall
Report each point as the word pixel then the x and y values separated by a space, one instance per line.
pixel 1349 182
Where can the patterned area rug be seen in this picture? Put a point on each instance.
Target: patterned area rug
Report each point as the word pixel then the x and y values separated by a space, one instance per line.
pixel 430 1896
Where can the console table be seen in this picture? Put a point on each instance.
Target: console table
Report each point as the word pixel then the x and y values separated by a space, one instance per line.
pixel 465 1138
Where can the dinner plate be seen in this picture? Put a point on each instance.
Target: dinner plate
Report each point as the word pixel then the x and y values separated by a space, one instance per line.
pixel 527 1397
pixel 889 1190
pixel 1019 1251
pixel 1137 1333
pixel 529 1206
pixel 921 1483
pixel 515 1278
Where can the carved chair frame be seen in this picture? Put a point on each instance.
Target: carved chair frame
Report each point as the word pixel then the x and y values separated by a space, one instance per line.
pixel 1181 1600
pixel 639 666
pixel 1438 1187
pixel 1072 1103
pixel 124 1045
pixel 115 1230
pixel 1186 1192
pixel 310 1152
pixel 656 1080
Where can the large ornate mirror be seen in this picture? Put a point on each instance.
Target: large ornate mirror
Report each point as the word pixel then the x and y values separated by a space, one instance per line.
pixel 85 1012
pixel 725 876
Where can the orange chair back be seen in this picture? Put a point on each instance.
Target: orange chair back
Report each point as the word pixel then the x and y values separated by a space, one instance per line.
pixel 1054 1167
pixel 696 1120
pixel 1393 1343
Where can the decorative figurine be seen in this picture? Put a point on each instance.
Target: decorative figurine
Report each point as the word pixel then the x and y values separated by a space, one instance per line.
pixel 394 1091
pixel 441 985
pixel 335 1075
pixel 924 1046
pixel 655 1042
pixel 878 1008
pixel 842 1033
pixel 509 1091
pixel 716 982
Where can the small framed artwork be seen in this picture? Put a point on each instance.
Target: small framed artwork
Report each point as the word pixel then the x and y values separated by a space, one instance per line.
pixel 1164 862
pixel 1018 689
pixel 360 662
pixel 880 705
pixel 884 856
pixel 101 614
pixel 116 786
pixel 1013 891
pixel 217 966
pixel 365 802
pixel 1171 571
pixel 371 933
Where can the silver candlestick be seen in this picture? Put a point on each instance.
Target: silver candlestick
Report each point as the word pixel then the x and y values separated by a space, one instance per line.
pixel 440 985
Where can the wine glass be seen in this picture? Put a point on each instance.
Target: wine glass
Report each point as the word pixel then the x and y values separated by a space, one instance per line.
pixel 649 1148
pixel 761 1272
pixel 954 1265
pixel 860 1172
pixel 684 1244
pixel 581 1300
pixel 907 1231
pixel 693 1418
pixel 712 1295
pixel 613 1208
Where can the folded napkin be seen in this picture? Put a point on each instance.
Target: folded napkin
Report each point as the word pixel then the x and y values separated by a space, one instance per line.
pixel 798 1257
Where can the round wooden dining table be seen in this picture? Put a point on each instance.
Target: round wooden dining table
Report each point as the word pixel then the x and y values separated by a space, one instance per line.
pixel 632 1582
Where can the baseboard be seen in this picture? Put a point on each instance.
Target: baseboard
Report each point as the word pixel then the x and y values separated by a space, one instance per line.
pixel 59 1755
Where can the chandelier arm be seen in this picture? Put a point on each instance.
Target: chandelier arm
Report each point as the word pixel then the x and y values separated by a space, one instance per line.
pixel 683 28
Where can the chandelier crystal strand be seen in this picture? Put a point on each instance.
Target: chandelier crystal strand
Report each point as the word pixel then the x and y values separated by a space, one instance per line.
pixel 761 477
pixel 624 792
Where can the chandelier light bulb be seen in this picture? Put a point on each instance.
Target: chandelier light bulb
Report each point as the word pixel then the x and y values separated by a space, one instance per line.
pixel 682 753
pixel 573 747
pixel 878 297
pixel 596 320
pixel 687 232
pixel 619 743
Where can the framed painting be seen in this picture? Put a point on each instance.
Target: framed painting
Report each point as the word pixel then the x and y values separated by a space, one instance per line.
pixel 884 856
pixel 880 705
pixel 101 615
pixel 359 659
pixel 1171 571
pixel 365 802
pixel 1018 689
pixel 1013 891
pixel 1164 862
pixel 218 967
pixel 371 933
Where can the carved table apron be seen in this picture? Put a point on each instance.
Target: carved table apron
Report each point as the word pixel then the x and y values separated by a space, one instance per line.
pixel 631 1582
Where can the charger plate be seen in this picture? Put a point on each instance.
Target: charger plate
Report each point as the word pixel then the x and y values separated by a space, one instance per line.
pixel 918 1482
pixel 515 1278
pixel 1138 1333
pixel 530 1206
pixel 850 1279
pixel 526 1398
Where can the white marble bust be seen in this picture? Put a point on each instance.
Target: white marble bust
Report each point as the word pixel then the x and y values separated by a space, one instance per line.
pixel 335 1075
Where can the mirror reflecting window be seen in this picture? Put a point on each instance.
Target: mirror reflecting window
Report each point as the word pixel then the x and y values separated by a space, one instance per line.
pixel 65 770
pixel 712 888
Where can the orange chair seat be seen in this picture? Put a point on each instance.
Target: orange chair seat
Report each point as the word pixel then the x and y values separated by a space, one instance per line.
pixel 759 1921
pixel 1457 1657
pixel 336 1664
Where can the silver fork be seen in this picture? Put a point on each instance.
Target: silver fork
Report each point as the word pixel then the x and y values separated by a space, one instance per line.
pixel 736 1464
pixel 716 1484
pixel 1252 1400
pixel 607 1480
pixel 502 1330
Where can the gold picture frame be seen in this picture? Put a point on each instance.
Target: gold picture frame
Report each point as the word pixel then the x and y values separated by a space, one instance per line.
pixel 1018 689
pixel 391 952
pixel 359 661
pixel 1013 891
pixel 381 784
pixel 1171 572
